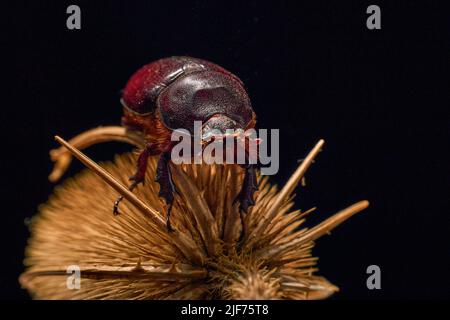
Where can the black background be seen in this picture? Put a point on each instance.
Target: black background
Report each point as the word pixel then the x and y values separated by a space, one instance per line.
pixel 313 70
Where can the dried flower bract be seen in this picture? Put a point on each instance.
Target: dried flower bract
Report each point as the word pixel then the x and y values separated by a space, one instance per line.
pixel 132 256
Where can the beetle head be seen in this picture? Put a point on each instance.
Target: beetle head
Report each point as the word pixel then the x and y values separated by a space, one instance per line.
pixel 218 126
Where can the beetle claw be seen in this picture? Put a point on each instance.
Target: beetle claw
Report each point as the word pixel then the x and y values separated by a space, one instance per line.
pixel 169 226
pixel 119 199
pixel 137 178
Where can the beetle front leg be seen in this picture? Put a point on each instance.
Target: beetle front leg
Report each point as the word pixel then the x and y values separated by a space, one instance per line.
pixel 249 186
pixel 138 177
pixel 167 187
pixel 245 196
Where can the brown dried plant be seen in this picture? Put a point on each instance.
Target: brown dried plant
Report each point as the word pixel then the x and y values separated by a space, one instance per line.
pixel 132 256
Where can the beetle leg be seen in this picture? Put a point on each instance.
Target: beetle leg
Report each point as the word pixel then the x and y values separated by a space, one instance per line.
pixel 249 186
pixel 120 198
pixel 167 187
pixel 138 177
pixel 245 196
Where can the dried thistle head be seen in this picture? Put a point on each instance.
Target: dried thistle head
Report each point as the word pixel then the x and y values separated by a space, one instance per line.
pixel 132 256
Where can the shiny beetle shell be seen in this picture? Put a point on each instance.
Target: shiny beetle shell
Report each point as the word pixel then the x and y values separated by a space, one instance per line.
pixel 183 89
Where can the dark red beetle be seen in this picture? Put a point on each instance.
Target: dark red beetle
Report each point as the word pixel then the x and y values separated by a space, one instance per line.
pixel 174 92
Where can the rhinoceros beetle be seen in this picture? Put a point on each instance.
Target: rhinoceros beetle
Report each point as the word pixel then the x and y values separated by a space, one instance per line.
pixel 172 93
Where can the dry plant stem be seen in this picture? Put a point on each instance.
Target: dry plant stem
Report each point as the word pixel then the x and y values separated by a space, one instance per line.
pixel 284 193
pixel 324 288
pixel 184 243
pixel 315 232
pixel 136 271
pixel 62 157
